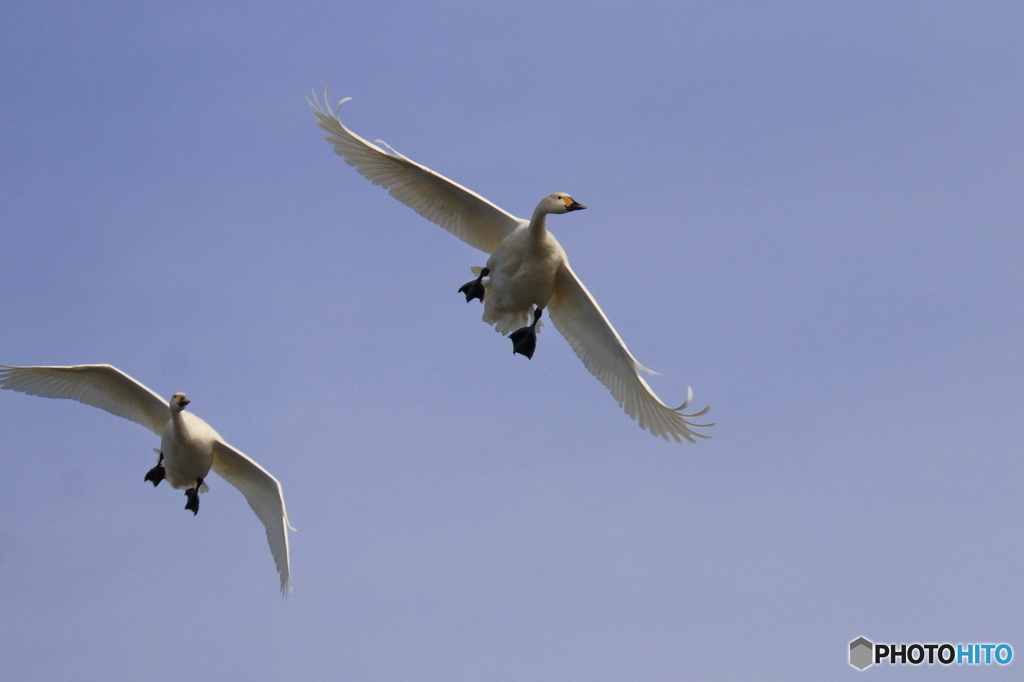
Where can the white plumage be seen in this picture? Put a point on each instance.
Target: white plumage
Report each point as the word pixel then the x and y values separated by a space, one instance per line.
pixel 190 447
pixel 528 269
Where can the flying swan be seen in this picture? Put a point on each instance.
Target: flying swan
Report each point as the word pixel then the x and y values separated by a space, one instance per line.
pixel 189 447
pixel 527 272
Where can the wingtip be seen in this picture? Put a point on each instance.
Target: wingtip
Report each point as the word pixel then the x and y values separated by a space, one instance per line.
pixel 314 104
pixel 686 403
pixel 325 108
pixel 699 414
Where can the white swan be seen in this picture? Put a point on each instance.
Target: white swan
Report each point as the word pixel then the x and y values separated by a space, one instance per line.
pixel 189 447
pixel 528 271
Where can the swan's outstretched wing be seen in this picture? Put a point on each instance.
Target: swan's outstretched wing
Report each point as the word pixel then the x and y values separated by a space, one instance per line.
pixel 102 386
pixel 462 212
pixel 264 495
pixel 577 316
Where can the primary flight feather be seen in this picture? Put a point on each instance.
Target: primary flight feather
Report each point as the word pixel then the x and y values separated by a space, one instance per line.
pixel 527 272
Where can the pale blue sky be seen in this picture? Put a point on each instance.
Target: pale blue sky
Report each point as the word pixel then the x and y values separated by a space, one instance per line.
pixel 810 214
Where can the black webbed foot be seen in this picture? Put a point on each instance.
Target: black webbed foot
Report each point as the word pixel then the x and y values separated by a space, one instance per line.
pixel 475 289
pixel 193 498
pixel 157 473
pixel 192 504
pixel 524 341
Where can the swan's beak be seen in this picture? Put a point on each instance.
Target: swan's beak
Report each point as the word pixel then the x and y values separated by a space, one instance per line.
pixel 574 206
pixel 183 402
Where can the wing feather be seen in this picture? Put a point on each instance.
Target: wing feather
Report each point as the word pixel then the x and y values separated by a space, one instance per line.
pixel 575 314
pixel 264 495
pixel 462 212
pixel 102 386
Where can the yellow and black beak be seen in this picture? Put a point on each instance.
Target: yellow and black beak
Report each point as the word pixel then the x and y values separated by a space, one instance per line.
pixel 574 206
pixel 182 402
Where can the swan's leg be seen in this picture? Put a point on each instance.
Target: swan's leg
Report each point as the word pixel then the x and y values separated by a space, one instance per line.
pixel 193 497
pixel 475 289
pixel 156 474
pixel 524 341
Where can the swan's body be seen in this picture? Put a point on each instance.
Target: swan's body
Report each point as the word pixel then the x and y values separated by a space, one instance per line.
pixel 528 272
pixel 522 269
pixel 189 447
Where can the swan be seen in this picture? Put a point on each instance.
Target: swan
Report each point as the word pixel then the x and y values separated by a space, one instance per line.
pixel 189 447
pixel 527 272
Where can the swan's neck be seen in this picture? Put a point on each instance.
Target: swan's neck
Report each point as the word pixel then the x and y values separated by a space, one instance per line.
pixel 539 222
pixel 178 419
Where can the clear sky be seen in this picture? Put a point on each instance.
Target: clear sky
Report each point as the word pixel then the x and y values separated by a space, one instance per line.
pixel 809 212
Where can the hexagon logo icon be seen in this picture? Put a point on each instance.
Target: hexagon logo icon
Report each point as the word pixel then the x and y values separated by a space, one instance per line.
pixel 861 651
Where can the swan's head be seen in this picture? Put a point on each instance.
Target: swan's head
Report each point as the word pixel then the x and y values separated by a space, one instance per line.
pixel 179 401
pixel 560 202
